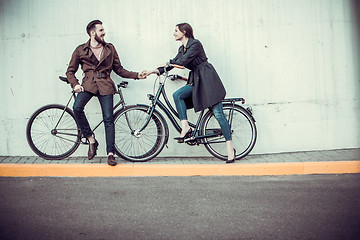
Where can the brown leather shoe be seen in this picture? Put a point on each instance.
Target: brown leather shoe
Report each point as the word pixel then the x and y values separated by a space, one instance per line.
pixel 92 149
pixel 111 160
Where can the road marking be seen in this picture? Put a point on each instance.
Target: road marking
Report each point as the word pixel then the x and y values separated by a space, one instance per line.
pixel 124 170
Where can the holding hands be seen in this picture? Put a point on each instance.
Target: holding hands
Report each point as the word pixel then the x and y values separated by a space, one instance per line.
pixel 146 73
pixel 142 75
pixel 78 88
pixel 155 71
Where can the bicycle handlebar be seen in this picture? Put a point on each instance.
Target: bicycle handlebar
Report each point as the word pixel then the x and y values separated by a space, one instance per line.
pixel 176 66
pixel 173 65
pixel 64 79
pixel 175 76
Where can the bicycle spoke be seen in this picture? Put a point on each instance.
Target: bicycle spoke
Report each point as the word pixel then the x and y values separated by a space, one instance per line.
pixel 243 133
pixel 52 143
pixel 134 145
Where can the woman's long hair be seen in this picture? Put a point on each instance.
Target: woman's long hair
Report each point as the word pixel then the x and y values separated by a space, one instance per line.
pixel 185 27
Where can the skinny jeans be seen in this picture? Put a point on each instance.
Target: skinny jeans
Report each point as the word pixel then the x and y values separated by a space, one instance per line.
pixel 106 102
pixel 186 92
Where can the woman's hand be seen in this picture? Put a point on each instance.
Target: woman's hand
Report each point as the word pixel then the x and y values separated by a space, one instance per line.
pixel 155 71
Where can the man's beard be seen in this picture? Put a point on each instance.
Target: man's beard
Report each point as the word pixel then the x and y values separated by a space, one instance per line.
pixel 99 40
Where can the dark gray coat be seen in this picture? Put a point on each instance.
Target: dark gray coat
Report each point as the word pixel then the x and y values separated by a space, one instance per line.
pixel 208 88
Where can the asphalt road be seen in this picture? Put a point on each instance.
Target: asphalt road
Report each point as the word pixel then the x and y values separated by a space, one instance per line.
pixel 273 207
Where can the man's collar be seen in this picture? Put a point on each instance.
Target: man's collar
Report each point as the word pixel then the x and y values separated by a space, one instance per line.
pixel 87 44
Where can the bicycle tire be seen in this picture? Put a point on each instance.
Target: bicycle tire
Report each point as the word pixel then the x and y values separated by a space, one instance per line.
pixel 244 132
pixel 139 147
pixel 49 142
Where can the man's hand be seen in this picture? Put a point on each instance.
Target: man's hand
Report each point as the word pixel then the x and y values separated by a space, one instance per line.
pixel 78 88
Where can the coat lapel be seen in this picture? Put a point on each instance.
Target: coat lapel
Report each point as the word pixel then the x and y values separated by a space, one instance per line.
pixel 90 53
pixel 87 49
pixel 189 43
pixel 105 54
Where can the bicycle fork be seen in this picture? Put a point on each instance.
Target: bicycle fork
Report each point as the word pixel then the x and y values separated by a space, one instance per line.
pixel 150 112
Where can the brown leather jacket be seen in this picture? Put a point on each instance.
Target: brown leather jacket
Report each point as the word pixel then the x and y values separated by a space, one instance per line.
pixel 97 73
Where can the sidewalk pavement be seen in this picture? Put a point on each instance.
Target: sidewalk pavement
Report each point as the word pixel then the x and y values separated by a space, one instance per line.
pixel 294 163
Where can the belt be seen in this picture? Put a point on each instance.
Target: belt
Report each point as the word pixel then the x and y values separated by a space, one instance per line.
pixel 101 74
pixel 96 74
pixel 195 71
pixel 200 65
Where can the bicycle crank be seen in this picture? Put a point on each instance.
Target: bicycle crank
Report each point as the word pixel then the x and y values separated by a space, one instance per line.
pixel 136 133
pixel 191 141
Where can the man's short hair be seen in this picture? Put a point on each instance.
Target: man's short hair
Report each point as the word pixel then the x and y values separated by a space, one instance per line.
pixel 91 25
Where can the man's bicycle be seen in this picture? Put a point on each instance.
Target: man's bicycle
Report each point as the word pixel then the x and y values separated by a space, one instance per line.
pixel 141 131
pixel 52 131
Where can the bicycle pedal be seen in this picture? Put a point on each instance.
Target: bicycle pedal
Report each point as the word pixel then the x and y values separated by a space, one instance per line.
pixel 189 139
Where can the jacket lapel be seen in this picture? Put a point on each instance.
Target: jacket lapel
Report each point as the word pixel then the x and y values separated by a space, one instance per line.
pixel 87 50
pixel 189 43
pixel 105 54
pixel 90 53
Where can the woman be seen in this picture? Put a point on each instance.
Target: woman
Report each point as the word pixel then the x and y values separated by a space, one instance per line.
pixel 204 88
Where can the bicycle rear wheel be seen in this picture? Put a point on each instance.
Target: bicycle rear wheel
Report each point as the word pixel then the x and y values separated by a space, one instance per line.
pixel 243 130
pixel 53 133
pixel 136 146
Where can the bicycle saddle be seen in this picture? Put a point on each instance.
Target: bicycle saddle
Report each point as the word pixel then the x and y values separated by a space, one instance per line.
pixel 64 79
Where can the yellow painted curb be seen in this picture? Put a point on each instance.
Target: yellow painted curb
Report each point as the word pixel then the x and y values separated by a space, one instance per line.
pixel 122 170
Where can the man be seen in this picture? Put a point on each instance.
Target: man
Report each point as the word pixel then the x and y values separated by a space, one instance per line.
pixel 97 59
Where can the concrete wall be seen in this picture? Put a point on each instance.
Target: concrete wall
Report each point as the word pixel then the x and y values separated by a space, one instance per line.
pixel 295 62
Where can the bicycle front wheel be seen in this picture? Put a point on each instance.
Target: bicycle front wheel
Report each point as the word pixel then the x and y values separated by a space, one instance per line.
pixel 53 133
pixel 243 130
pixel 136 146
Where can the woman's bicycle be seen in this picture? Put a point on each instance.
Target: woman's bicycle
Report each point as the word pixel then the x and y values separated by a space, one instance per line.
pixel 141 131
pixel 52 131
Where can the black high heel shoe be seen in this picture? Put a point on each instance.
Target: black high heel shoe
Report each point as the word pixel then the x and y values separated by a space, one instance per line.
pixel 182 139
pixel 232 160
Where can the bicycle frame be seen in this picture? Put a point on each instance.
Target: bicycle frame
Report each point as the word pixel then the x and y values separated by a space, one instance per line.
pixel 169 110
pixel 172 114
pixel 120 102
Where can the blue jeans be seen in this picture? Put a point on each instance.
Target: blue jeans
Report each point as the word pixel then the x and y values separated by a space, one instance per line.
pixel 179 98
pixel 106 102
pixel 186 92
